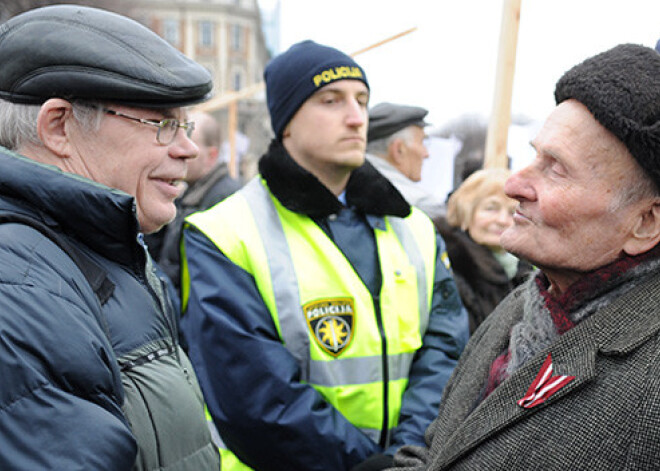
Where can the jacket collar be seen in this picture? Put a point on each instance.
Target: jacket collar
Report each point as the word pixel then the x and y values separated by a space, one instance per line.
pixel 100 217
pixel 195 193
pixel 473 261
pixel 299 191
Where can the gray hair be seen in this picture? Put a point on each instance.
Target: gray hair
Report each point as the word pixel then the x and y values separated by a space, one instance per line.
pixel 18 122
pixel 639 186
pixel 380 146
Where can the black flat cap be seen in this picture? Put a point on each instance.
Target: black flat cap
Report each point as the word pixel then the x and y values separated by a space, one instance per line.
pixel 77 52
pixel 621 89
pixel 387 118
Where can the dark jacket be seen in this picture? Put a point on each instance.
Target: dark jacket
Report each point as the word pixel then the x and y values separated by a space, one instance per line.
pixel 606 419
pixel 480 278
pixel 87 385
pixel 251 382
pixel 202 194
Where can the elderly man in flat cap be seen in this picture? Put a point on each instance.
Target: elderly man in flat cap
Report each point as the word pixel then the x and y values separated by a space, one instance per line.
pixel 320 315
pixel 565 373
pixel 95 135
pixel 395 146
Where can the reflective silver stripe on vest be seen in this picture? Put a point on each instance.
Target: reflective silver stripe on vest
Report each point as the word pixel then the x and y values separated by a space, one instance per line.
pixel 410 246
pixel 283 274
pixel 338 372
pixel 362 370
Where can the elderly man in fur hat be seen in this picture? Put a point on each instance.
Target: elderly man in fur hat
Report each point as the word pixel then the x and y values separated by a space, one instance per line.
pixel 565 373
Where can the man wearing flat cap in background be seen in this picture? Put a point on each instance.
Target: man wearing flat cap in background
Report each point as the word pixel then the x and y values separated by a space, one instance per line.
pixel 395 146
pixel 95 138
pixel 320 317
pixel 564 374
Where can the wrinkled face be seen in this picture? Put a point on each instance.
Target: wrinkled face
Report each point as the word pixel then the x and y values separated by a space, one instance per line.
pixel 125 155
pixel 567 219
pixel 414 152
pixel 329 132
pixel 491 217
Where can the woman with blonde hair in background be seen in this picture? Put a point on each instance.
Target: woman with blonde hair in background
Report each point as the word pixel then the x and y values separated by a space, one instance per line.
pixel 477 214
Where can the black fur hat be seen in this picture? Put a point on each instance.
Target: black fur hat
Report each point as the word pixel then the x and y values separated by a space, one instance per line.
pixel 621 88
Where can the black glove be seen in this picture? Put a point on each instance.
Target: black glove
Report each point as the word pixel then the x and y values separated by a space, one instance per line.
pixel 375 462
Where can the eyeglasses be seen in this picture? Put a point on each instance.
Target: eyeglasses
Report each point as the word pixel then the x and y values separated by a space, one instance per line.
pixel 167 128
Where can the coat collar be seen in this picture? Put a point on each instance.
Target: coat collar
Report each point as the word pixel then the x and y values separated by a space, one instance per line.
pixel 102 218
pixel 195 193
pixel 470 259
pixel 301 192
pixel 616 330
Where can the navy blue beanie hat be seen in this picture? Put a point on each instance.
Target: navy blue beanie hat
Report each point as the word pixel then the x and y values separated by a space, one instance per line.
pixel 293 76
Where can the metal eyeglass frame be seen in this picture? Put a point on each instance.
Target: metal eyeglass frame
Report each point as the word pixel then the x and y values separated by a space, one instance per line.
pixel 169 124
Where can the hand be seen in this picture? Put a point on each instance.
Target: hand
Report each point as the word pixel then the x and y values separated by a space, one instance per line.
pixel 376 462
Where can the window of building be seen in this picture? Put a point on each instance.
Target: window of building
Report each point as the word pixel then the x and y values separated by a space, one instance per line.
pixel 171 32
pixel 237 80
pixel 206 33
pixel 236 38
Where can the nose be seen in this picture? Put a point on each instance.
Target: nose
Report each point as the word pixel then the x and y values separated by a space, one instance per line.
pixel 183 147
pixel 519 185
pixel 356 113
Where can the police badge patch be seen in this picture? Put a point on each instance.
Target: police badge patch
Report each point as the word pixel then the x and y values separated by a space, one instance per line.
pixel 331 323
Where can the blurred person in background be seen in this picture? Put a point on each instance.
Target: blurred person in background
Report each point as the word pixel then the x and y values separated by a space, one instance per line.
pixel 478 212
pixel 395 147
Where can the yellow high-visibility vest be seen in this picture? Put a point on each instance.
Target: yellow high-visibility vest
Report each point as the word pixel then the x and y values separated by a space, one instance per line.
pixel 323 312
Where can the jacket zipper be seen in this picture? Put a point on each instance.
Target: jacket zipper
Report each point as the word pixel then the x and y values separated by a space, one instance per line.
pixel 384 432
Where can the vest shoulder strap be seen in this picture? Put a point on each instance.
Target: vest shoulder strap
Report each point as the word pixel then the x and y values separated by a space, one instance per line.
pixel 96 276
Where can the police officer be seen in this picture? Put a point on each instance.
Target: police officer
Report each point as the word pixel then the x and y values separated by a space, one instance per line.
pixel 321 317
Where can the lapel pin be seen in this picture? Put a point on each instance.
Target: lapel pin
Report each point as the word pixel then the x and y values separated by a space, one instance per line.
pixel 544 386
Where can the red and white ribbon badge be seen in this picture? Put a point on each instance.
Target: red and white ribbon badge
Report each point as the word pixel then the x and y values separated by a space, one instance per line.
pixel 544 386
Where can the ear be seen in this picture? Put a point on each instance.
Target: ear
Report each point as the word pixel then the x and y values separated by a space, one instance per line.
pixel 214 153
pixel 646 233
pixel 395 151
pixel 53 126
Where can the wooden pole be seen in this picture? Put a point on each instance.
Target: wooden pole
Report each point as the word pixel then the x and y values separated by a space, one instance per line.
pixel 380 43
pixel 500 119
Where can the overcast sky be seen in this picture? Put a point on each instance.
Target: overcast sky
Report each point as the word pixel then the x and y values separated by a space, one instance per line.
pixel 448 64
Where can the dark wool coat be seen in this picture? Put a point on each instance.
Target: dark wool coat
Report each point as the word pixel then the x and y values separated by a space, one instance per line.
pixel 606 419
pixel 480 278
